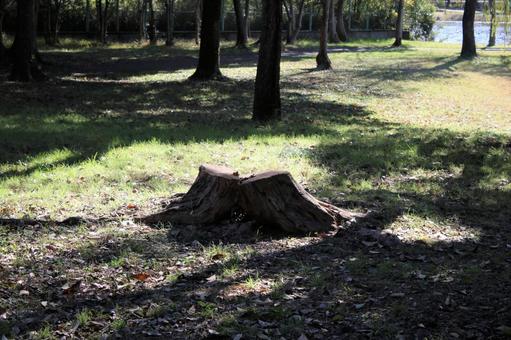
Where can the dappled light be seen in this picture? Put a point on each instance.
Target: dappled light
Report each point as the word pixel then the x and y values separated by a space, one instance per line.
pixel 414 140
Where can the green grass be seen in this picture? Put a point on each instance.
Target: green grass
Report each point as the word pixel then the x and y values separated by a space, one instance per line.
pixel 414 134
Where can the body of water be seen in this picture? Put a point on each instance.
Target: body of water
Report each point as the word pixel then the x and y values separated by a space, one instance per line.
pixel 451 32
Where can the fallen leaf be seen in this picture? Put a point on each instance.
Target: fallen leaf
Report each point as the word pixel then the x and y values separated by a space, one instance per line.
pixel 71 289
pixel 142 277
pixel 24 292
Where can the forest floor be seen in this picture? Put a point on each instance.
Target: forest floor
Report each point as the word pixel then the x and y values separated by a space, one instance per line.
pixel 414 136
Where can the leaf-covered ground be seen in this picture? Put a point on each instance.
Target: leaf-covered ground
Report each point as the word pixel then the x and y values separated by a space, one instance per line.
pixel 415 137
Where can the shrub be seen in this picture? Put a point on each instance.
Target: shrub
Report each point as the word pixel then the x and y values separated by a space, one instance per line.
pixel 420 18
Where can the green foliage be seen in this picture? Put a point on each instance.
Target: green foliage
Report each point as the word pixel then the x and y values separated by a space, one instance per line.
pixel 420 18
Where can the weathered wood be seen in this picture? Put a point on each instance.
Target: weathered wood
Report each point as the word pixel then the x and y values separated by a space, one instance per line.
pixel 273 199
pixel 212 197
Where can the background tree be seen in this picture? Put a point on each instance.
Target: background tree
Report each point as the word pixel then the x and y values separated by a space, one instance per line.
pixel 53 17
pixel 468 49
pixel 399 23
pixel 341 27
pixel 102 18
pixel 24 67
pixel 322 60
pixel 493 22
pixel 267 85
pixel 141 19
pixel 209 52
pixel 152 24
pixel 3 49
pixel 241 28
pixel 333 37
pixel 294 22
pixel 169 10
pixel 198 18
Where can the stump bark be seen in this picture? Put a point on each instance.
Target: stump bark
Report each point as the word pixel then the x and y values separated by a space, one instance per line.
pixel 273 199
pixel 212 197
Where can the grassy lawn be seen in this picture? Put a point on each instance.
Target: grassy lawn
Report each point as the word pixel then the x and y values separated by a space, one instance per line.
pixel 413 135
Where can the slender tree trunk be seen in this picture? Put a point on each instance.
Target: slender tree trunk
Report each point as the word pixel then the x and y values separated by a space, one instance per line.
pixel 35 48
pixel 3 49
pixel 87 17
pixel 56 23
pixel 170 22
pixel 493 23
pixel 241 29
pixel 322 60
pixel 141 20
pixel 399 24
pixel 267 85
pixel 333 37
pixel 291 23
pixel 209 53
pixel 117 17
pixel 246 18
pixel 468 49
pixel 152 26
pixel 298 25
pixel 198 17
pixel 341 28
pixel 23 67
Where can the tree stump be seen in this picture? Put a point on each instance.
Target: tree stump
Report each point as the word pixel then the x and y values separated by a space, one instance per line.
pixel 272 198
pixel 212 197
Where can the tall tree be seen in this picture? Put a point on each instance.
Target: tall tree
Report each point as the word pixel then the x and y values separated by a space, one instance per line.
pixel 241 28
pixel 141 20
pixel 102 14
pixel 152 24
pixel 341 28
pixel 198 18
pixel 169 9
pixel 3 49
pixel 87 17
pixel 322 60
pixel 209 52
pixel 24 67
pixel 267 85
pixel 399 24
pixel 53 11
pixel 294 24
pixel 333 37
pixel 468 49
pixel 493 23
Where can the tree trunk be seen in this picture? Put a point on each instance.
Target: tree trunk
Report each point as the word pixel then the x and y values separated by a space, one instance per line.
pixel 23 67
pixel 322 60
pixel 246 18
pixel 241 29
pixel 267 85
pixel 493 23
pixel 141 20
pixel 468 50
pixel 298 24
pixel 272 199
pixel 198 16
pixel 169 6
pixel 87 17
pixel 209 53
pixel 3 49
pixel 341 28
pixel 153 39
pixel 117 18
pixel 399 24
pixel 102 20
pixel 291 23
pixel 333 37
